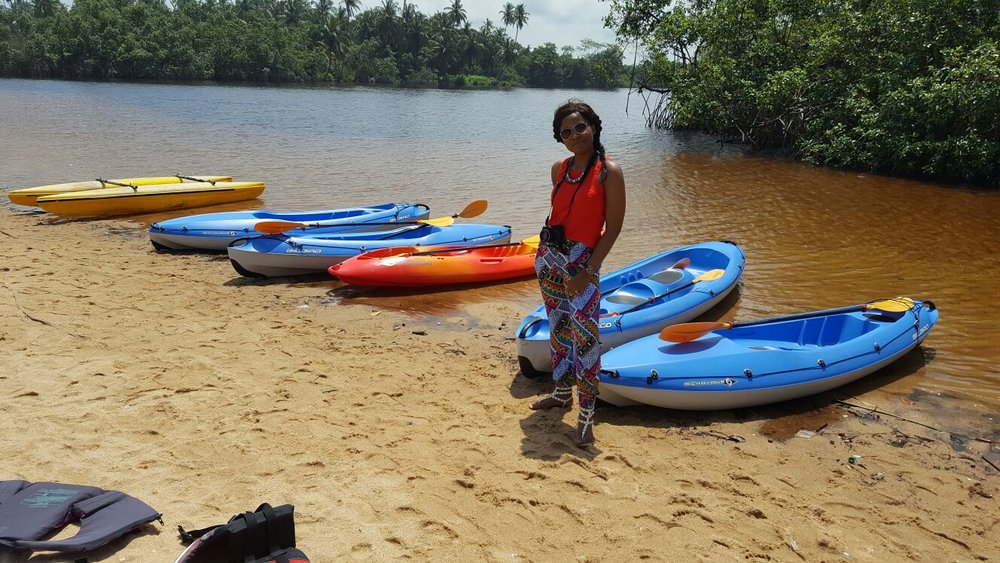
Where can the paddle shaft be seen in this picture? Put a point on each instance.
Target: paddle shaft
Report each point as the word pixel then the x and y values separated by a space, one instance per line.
pixel 799 316
pixel 285 226
pixel 457 248
pixel 358 224
pixel 474 209
pixel 691 331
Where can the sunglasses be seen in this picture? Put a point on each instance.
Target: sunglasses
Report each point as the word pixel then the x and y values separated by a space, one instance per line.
pixel 579 128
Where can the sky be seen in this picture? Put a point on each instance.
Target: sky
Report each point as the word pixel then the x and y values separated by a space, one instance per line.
pixel 563 22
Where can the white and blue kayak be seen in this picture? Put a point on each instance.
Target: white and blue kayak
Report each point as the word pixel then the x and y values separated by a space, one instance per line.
pixel 214 231
pixel 282 255
pixel 642 298
pixel 712 366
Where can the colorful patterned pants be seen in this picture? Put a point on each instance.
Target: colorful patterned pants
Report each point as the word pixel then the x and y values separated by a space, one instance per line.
pixel 573 333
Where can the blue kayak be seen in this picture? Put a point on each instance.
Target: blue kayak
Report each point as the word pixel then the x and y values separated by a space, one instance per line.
pixel 765 361
pixel 282 255
pixel 644 297
pixel 214 231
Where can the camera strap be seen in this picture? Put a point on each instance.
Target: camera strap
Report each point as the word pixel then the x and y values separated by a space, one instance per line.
pixel 562 178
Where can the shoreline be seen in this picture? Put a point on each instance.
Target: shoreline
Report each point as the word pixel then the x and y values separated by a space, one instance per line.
pixel 407 434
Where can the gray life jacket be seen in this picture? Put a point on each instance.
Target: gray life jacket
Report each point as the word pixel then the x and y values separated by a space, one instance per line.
pixel 30 512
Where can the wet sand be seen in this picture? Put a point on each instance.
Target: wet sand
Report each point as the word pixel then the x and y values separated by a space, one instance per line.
pixel 402 435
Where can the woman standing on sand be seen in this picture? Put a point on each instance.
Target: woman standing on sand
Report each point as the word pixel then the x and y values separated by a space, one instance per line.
pixel 588 208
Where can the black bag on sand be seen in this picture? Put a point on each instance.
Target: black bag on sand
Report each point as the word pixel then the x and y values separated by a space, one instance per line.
pixel 266 535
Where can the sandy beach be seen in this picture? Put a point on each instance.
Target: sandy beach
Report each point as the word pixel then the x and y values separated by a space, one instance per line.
pixel 172 379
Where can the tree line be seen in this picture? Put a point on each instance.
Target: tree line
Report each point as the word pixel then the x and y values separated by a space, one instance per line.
pixel 289 41
pixel 904 87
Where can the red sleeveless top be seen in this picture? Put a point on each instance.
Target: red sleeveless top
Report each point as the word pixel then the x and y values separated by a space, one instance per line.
pixel 584 218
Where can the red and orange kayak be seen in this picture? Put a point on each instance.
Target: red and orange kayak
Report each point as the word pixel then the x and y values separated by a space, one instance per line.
pixel 420 266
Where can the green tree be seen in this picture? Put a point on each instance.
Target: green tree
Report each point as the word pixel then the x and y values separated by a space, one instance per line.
pixel 507 15
pixel 47 8
pixel 456 13
pixel 351 7
pixel 520 19
pixel 276 41
pixel 894 86
pixel 332 39
pixel 322 9
pixel 294 11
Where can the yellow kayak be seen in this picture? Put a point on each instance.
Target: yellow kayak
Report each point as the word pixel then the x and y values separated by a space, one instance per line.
pixel 27 196
pixel 107 202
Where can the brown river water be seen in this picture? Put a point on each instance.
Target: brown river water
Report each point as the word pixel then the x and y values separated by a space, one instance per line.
pixel 814 238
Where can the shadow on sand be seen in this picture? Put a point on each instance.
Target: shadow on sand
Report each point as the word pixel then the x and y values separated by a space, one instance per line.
pixel 548 437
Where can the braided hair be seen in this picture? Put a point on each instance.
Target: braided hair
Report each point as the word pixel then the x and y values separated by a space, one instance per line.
pixel 589 115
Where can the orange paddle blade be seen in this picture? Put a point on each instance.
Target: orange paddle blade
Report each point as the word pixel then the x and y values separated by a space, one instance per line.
pixel 277 227
pixel 691 331
pixel 474 209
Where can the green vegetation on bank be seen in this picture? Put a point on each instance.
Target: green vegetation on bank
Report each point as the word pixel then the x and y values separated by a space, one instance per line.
pixel 905 87
pixel 289 41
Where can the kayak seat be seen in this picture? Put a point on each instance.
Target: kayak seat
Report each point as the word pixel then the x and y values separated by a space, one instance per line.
pixel 667 277
pixel 637 291
pixel 827 331
pixel 630 294
pixel 635 285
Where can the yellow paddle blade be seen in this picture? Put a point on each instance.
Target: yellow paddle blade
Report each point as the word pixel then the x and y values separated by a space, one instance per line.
pixel 438 221
pixel 894 305
pixel 709 275
pixel 690 331
pixel 277 227
pixel 532 241
pixel 474 209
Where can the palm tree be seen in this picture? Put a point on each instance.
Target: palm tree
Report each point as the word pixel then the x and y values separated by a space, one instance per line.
pixel 351 7
pixel 520 18
pixel 509 51
pixel 388 24
pixel 332 38
pixel 294 11
pixel 412 23
pixel 322 9
pixel 456 13
pixel 45 8
pixel 441 54
pixel 507 15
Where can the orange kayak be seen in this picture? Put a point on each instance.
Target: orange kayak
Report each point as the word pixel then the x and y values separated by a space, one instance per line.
pixel 417 266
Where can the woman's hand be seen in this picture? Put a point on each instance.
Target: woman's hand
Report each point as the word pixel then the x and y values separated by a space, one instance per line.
pixel 579 281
